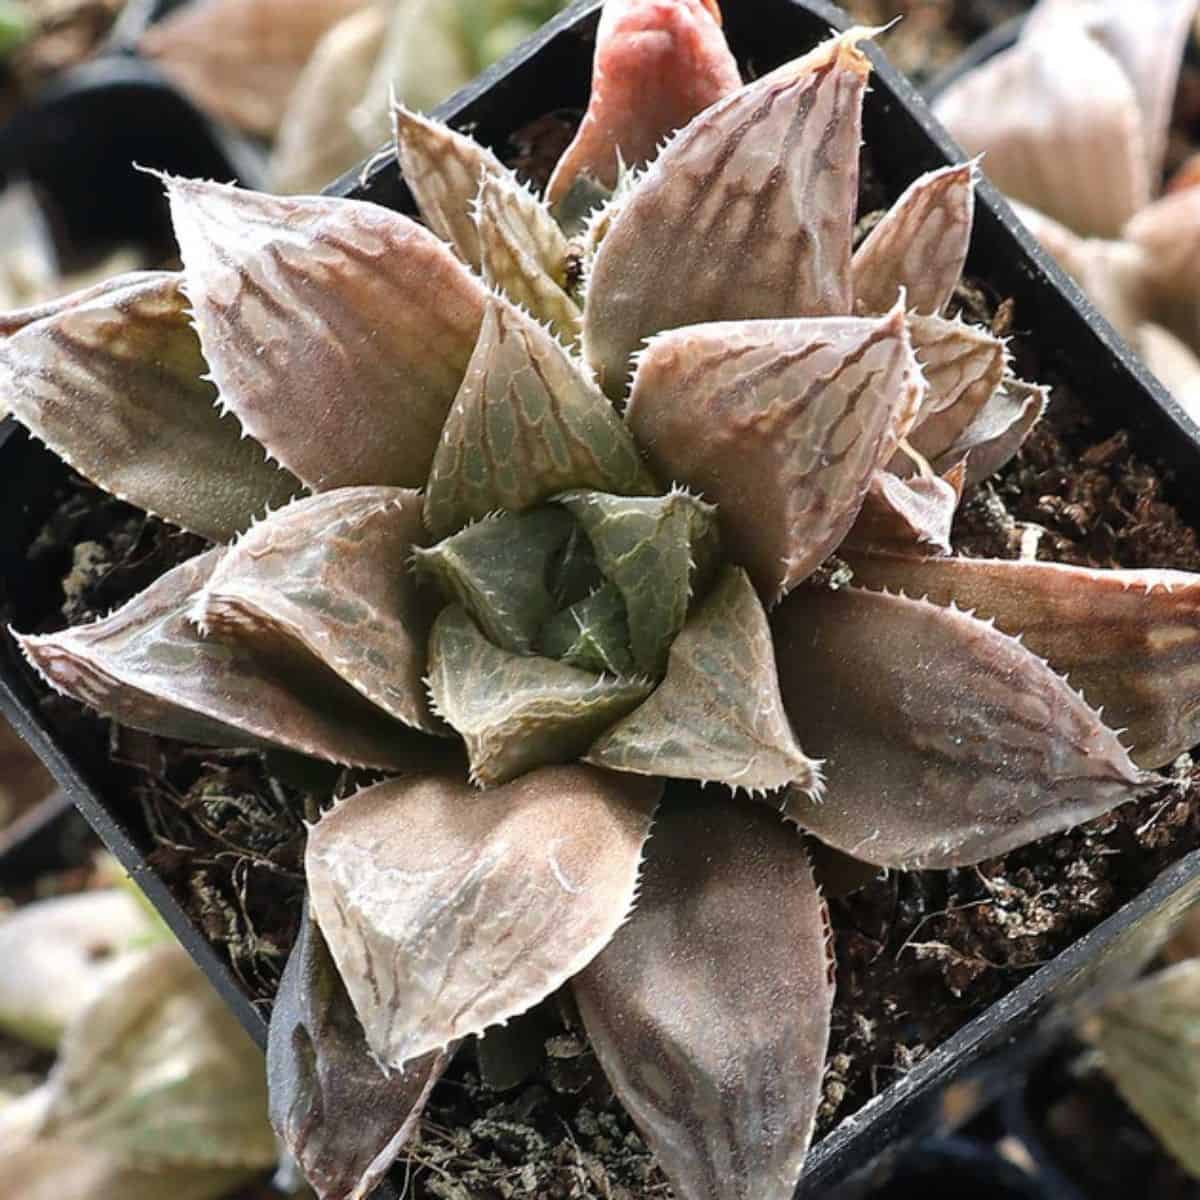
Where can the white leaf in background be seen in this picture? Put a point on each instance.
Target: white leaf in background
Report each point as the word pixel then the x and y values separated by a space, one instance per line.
pixel 59 955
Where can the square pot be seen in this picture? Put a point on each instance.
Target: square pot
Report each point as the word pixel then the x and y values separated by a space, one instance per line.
pixel 552 72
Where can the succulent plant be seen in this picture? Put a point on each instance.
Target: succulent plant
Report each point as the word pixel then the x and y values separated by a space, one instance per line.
pixel 1075 122
pixel 577 476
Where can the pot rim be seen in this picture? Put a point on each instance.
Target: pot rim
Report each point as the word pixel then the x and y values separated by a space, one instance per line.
pixel 987 1045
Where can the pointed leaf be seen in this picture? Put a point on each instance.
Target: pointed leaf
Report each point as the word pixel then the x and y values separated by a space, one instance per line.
pixel 112 380
pixel 1129 640
pixel 240 59
pixel 337 331
pixel 524 254
pixel 517 712
pixel 447 910
pixel 963 367
pixel 339 1114
pixel 782 424
pixel 717 716
pixel 1148 1036
pixel 526 423
pixel 959 361
pixel 710 1008
pixel 946 741
pixel 1055 110
pixel 444 170
pixel 908 513
pixel 593 634
pixel 920 246
pixel 656 66
pixel 748 212
pixel 657 550
pixel 499 570
pixel 147 666
pixel 157 1072
pixel 996 434
pixel 327 575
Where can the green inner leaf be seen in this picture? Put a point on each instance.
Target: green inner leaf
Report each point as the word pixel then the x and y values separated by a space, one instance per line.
pixel 498 569
pixel 657 550
pixel 518 712
pixel 592 634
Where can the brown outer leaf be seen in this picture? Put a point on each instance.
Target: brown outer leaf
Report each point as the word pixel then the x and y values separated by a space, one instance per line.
pixel 946 741
pixel 327 574
pixel 337 331
pixel 657 64
pixel 1055 110
pixel 748 212
pixel 908 514
pixel 1129 640
pixel 240 59
pixel 527 422
pixel 717 716
pixel 781 423
pixel 340 1115
pixel 146 666
pixel 113 381
pixel 444 170
pixel 524 253
pixel 920 246
pixel 447 910
pixel 710 1008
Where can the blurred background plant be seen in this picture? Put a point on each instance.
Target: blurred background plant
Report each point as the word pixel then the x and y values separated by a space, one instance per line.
pixel 123 1076
pixel 315 76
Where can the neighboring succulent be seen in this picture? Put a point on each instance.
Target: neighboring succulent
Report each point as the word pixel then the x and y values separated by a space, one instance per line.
pixel 157 1090
pixel 584 624
pixel 1148 1038
pixel 316 75
pixel 1074 121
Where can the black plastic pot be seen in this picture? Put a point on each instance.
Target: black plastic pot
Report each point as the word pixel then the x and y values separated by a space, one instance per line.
pixel 1079 1136
pixel 551 72
pixel 77 142
pixel 951 1168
